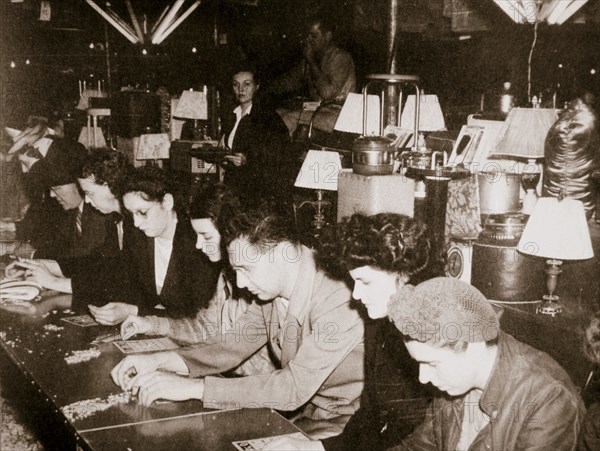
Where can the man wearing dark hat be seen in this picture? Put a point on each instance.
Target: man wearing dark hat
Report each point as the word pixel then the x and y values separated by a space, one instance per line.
pixel 80 228
pixel 499 393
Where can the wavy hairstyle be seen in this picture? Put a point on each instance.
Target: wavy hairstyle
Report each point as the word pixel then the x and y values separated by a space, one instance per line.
pixel 387 241
pixel 107 166
pixel 217 202
pixel 152 183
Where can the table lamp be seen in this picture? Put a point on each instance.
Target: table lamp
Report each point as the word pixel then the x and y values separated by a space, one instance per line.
pixel 350 119
pixel 153 146
pixel 556 230
pixel 522 137
pixel 319 171
pixel 193 105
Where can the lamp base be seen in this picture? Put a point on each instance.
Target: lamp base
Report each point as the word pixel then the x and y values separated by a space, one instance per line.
pixel 550 305
pixel 529 202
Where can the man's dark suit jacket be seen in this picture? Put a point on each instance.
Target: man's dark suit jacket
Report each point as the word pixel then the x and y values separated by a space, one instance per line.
pixel 65 240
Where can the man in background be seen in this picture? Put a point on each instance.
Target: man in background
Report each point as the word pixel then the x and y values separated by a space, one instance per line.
pixel 326 72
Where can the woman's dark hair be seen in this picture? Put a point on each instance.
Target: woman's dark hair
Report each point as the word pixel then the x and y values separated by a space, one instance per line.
pixel 216 202
pixel 107 166
pixel 390 242
pixel 152 183
pixel 246 66
pixel 262 225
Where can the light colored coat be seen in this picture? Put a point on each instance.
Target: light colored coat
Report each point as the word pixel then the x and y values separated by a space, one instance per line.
pixel 321 357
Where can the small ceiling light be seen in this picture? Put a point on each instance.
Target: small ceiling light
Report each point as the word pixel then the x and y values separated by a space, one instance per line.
pixel 560 66
pixel 27 61
pixel 593 72
pixel 12 64
pixel 194 49
pixel 144 52
pixel 91 45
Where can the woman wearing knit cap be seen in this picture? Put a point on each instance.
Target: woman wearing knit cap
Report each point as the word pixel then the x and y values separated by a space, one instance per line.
pixel 381 253
pixel 500 394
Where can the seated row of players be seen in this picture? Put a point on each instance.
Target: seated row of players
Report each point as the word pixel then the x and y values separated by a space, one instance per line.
pixel 292 331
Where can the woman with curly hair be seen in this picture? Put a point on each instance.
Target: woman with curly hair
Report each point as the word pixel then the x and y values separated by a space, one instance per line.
pixel 380 253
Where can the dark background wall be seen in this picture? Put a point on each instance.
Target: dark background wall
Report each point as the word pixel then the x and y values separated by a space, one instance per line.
pixel 460 48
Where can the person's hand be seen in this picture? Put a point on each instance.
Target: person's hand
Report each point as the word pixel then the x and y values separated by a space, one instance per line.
pixel 14 271
pixel 134 325
pixel 159 385
pixel 37 272
pixel 291 443
pixel 238 159
pixel 128 370
pixel 112 313
pixel 51 266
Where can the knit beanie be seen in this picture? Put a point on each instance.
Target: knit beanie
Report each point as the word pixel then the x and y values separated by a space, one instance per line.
pixel 443 310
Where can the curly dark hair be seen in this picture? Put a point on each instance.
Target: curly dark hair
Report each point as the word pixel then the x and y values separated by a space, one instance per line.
pixel 262 225
pixel 107 166
pixel 152 183
pixel 387 241
pixel 217 202
pixel 591 345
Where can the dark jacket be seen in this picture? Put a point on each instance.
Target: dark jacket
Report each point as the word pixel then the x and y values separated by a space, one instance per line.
pixel 190 281
pixel 128 276
pixel 264 139
pixel 531 402
pixel 93 277
pixel 44 218
pixel 67 242
pixel 393 402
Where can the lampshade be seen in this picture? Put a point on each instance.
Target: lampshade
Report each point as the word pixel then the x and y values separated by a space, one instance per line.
pixel 552 11
pixel 192 105
pixel 350 119
pixel 319 170
pixel 84 99
pixel 557 229
pixel 431 118
pixel 524 133
pixel 153 146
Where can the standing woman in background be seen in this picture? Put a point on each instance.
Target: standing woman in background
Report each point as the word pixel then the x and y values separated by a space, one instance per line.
pixel 260 165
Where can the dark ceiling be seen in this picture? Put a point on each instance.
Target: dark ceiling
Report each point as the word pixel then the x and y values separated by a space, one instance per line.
pixel 460 48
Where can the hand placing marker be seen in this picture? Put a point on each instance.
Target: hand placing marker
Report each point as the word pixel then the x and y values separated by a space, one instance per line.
pixel 134 325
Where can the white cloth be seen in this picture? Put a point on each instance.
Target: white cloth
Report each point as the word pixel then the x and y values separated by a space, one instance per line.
pixel 162 255
pixel 238 118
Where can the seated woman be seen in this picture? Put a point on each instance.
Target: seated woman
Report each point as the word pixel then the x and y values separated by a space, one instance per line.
pixel 207 211
pixel 381 253
pixel 165 270
pixel 260 166
pixel 161 278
